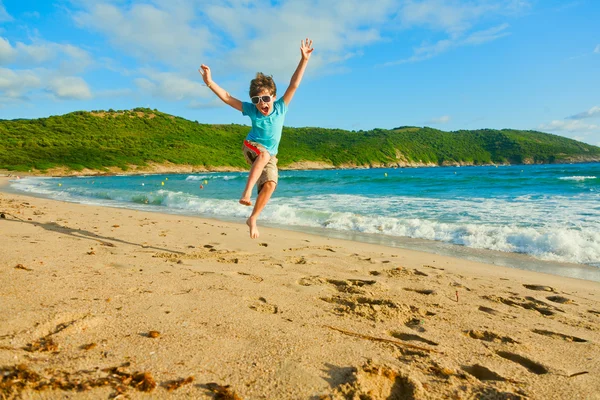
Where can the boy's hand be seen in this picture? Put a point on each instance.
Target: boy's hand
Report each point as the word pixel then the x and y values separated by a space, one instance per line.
pixel 306 48
pixel 205 72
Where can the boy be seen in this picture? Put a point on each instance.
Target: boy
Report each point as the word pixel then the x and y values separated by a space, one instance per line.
pixel 262 143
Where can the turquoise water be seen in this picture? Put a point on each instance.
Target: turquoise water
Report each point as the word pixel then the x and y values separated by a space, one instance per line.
pixel 547 212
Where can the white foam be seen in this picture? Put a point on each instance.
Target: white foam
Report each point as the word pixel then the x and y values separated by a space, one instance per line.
pixel 576 178
pixel 211 177
pixel 553 242
pixel 557 228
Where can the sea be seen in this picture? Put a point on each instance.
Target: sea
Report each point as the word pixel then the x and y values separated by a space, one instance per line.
pixel 544 218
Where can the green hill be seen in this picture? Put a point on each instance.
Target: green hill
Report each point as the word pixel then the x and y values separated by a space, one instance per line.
pixel 107 139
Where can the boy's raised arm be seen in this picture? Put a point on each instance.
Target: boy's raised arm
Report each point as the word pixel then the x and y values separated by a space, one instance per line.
pixel 219 91
pixel 306 50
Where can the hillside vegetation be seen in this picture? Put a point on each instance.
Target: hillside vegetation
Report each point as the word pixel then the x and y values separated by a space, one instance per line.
pixel 106 139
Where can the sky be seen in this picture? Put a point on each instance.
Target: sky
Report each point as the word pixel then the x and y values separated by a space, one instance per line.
pixel 446 64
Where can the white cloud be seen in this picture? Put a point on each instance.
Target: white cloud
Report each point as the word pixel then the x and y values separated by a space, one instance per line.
pixel 70 88
pixel 450 16
pixel 597 49
pixel 34 54
pixel 68 57
pixel 455 16
pixel 16 84
pixel 591 113
pixel 440 120
pixel 236 35
pixel 486 35
pixel 7 53
pixel 19 85
pixel 48 66
pixel 569 126
pixel 427 51
pixel 588 133
pixel 457 19
pixel 79 59
pixel 575 129
pixel 268 38
pixel 4 15
pixel 165 33
pixel 171 86
pixel 145 84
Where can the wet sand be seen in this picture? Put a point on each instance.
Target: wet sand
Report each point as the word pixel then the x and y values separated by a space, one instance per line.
pixel 102 303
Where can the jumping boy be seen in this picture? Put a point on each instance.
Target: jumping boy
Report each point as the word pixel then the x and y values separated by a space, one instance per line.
pixel 261 145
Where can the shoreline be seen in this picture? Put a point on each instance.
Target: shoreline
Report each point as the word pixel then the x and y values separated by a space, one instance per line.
pixel 485 256
pixel 168 168
pixel 193 306
pixel 242 226
pixel 494 258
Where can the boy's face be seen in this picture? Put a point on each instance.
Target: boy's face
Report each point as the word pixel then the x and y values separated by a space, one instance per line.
pixel 265 108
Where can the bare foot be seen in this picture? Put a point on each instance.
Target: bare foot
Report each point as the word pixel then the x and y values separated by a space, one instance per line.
pixel 251 222
pixel 245 201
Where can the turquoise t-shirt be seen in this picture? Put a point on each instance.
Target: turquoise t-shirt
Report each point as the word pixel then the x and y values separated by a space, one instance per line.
pixel 266 130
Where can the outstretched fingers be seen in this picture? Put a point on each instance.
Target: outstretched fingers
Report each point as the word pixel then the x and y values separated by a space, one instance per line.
pixel 306 46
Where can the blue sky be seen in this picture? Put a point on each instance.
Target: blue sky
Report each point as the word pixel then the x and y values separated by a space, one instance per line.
pixel 522 64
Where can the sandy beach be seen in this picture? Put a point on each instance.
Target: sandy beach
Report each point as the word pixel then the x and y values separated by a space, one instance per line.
pixel 112 303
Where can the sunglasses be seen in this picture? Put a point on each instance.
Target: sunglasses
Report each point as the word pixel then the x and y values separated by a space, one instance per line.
pixel 264 99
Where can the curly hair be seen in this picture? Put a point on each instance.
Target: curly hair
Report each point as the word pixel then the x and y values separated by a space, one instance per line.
pixel 262 82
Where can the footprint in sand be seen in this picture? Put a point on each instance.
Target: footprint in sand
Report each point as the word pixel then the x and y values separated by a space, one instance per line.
pixel 263 306
pixel 351 285
pixel 356 299
pixel 557 335
pixel 408 337
pixel 375 381
pixel 398 272
pixel 356 286
pixel 224 260
pixel 47 343
pixel 530 365
pixel 489 336
pixel 377 310
pixel 560 299
pixel 489 310
pixel 540 288
pixel 460 285
pixel 528 303
pixel 296 260
pixel 421 291
pixel 432 267
pixel 483 373
pixel 326 248
pixel 311 281
pixel 253 278
pixel 415 324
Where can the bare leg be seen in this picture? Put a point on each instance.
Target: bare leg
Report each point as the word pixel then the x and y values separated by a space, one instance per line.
pixel 257 168
pixel 261 201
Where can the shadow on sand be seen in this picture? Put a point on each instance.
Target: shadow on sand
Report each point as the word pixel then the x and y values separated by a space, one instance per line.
pixel 83 234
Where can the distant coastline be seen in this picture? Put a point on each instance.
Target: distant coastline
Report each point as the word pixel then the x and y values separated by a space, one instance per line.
pixel 168 168
pixel 142 141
